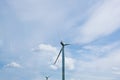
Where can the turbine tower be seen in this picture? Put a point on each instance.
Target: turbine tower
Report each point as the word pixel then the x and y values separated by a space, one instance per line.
pixel 63 59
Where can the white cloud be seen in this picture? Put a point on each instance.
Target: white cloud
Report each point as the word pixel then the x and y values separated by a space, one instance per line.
pixel 54 67
pixel 104 21
pixel 13 65
pixel 72 79
pixel 82 76
pixel 104 64
pixel 116 70
pixel 69 64
pixel 102 48
pixel 93 52
pixel 106 67
pixel 45 11
pixel 45 47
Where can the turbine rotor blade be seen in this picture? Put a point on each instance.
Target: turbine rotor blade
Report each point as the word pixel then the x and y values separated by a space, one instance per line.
pixel 58 55
pixel 66 44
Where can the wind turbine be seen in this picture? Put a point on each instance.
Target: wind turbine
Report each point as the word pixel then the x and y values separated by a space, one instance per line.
pixel 46 77
pixel 63 59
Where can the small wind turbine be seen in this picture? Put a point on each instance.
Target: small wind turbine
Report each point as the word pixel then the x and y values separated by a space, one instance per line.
pixel 46 77
pixel 63 59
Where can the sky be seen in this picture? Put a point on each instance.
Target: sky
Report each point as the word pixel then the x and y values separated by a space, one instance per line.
pixel 31 31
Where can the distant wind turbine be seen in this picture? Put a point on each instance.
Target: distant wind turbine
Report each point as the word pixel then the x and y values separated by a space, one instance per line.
pixel 63 59
pixel 47 77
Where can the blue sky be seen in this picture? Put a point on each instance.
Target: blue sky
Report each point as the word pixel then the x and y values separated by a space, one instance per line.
pixel 30 32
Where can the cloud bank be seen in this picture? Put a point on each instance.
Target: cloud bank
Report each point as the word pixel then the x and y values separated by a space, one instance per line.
pixel 103 22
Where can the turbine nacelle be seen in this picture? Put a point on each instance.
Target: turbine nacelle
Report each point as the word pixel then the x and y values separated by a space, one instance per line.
pixel 63 44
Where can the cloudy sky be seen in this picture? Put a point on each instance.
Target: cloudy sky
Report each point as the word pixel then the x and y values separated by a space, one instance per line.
pixel 31 31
